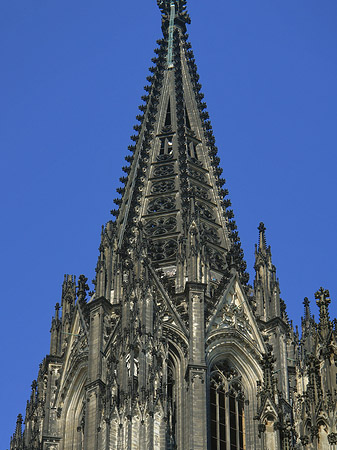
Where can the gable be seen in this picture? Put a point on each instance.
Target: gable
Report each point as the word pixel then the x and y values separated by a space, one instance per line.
pixel 233 312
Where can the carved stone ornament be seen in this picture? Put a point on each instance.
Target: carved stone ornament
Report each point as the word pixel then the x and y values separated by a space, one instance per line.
pixel 162 186
pixel 216 259
pixel 195 161
pixel 205 211
pixel 164 170
pixel 165 157
pixel 160 226
pixel 197 375
pixel 161 204
pixel 261 428
pixel 332 438
pixel 210 233
pixel 164 6
pixel 163 249
pixel 233 316
pixel 304 440
pixel 199 191
pixel 196 174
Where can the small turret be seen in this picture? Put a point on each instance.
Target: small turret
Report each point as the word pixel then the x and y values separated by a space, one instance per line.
pixel 323 301
pixel 308 328
pixel 262 238
pixel 55 338
pixel 68 306
pixel 307 314
pixel 266 285
pixel 17 438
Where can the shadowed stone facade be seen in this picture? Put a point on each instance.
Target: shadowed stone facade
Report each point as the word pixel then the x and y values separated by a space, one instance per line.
pixel 174 349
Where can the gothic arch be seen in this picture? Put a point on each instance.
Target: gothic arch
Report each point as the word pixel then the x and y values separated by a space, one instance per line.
pixel 226 406
pixel 322 429
pixel 176 372
pixel 242 357
pixel 74 412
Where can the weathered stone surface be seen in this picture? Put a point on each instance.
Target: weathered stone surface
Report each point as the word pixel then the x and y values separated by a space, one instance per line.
pixel 174 350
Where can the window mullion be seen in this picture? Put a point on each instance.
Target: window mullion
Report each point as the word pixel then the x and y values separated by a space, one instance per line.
pixel 237 422
pixel 228 431
pixel 217 419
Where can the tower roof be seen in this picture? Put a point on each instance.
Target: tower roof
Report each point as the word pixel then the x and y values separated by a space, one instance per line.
pixel 173 176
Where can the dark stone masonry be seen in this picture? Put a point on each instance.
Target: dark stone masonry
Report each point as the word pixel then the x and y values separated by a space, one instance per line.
pixel 174 349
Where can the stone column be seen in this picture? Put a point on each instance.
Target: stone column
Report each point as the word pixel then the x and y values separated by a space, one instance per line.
pixel 95 388
pixel 196 370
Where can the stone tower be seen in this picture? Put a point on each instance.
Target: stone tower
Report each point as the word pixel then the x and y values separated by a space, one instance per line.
pixel 173 349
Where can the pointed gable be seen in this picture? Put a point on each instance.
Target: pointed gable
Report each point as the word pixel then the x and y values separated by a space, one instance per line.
pixel 234 313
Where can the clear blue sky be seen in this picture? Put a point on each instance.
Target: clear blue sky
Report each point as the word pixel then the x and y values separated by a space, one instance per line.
pixel 72 74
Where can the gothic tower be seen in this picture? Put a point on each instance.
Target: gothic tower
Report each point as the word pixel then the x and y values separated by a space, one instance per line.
pixel 173 349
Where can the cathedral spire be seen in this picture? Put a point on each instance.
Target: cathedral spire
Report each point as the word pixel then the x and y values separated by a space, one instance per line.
pixel 165 354
pixel 174 159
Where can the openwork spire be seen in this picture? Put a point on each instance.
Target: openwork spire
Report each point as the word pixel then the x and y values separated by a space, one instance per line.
pixel 174 160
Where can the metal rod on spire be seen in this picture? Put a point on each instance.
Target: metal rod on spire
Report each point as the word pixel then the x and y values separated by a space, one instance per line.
pixel 170 39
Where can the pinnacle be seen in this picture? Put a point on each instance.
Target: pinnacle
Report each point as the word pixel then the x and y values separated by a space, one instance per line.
pixel 262 236
pixel 306 304
pixel 323 301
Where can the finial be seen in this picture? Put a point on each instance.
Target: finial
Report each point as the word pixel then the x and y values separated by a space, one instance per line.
pixel 19 423
pixel 179 6
pixel 323 301
pixel 165 5
pixel 306 304
pixel 57 309
pixel 262 236
pixel 82 287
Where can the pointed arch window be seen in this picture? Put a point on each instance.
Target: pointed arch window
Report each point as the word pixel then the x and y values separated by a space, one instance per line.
pixel 192 150
pixel 226 409
pixel 171 406
pixel 168 119
pixel 187 119
pixel 166 145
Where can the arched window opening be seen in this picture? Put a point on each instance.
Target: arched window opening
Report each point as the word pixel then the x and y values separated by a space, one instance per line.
pixel 192 150
pixel 168 120
pixel 132 367
pixel 166 145
pixel 323 443
pixel 187 119
pixel 226 409
pixel 80 428
pixel 171 407
pixel 270 432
